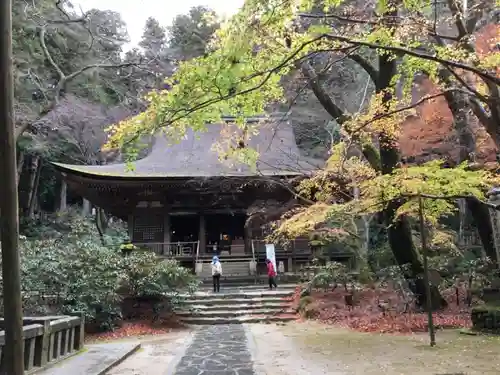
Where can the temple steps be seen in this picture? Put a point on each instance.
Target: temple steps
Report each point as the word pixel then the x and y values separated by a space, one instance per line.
pixel 229 269
pixel 244 305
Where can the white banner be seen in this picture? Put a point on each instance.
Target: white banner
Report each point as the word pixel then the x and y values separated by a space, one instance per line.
pixel 271 255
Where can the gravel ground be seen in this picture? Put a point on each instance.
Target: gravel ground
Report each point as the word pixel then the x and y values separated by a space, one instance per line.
pixel 274 351
pixel 302 348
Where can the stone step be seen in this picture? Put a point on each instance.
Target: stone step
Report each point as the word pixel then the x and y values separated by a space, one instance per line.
pixel 235 301
pixel 238 295
pixel 246 287
pixel 246 306
pixel 233 268
pixel 238 320
pixel 234 313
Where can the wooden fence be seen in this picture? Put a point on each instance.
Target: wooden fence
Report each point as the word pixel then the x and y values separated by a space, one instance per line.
pixel 47 340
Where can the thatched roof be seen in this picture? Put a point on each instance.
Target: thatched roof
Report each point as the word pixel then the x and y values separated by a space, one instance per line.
pixel 194 155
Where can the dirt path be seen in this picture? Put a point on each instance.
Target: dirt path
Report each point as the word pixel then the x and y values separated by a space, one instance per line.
pixel 310 348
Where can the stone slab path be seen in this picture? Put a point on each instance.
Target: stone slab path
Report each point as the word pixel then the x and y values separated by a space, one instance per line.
pixel 217 350
pixel 236 349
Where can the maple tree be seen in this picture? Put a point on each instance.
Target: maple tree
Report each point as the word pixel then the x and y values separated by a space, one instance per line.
pixel 392 41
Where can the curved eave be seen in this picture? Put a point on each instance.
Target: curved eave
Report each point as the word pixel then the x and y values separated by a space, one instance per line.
pixel 93 173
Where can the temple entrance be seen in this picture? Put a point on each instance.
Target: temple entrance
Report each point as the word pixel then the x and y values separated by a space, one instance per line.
pixel 225 233
pixel 184 228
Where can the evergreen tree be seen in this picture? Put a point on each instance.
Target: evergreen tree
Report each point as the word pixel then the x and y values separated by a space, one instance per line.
pixel 190 33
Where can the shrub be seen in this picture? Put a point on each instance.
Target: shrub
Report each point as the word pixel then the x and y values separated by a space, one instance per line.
pixel 84 275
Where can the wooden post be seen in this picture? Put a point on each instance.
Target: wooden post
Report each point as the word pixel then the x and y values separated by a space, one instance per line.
pixel 86 207
pixel 247 239
pixel 9 225
pixel 166 233
pixel 63 206
pixel 130 227
pixel 432 333
pixel 202 237
pixel 79 333
pixel 42 349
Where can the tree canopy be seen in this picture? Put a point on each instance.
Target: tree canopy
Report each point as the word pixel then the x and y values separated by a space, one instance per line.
pixel 394 44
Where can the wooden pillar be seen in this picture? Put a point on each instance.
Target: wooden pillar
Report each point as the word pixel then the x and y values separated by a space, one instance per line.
pixel 130 225
pixel 202 235
pixel 86 209
pixel 63 196
pixel 166 232
pixel 247 238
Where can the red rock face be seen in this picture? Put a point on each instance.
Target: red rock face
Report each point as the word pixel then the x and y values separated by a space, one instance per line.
pixel 430 134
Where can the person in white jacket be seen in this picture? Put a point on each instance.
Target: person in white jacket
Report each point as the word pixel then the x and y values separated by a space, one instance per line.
pixel 216 273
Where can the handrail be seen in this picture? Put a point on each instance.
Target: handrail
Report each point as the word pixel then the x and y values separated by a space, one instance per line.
pixel 48 340
pixel 178 248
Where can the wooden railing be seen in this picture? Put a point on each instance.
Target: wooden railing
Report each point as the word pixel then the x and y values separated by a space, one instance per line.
pixel 469 239
pixel 296 247
pixel 47 340
pixel 173 249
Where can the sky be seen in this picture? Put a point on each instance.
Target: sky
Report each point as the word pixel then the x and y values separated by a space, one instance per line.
pixel 136 12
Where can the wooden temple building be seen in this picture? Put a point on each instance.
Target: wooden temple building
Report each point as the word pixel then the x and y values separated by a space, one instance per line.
pixel 182 201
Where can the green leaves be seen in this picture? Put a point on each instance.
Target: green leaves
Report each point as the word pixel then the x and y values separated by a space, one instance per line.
pixel 72 263
pixel 428 179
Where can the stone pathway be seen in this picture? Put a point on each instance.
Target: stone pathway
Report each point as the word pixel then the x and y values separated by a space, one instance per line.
pixel 217 350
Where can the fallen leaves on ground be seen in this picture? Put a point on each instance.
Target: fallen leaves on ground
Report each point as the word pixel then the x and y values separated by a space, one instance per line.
pixel 134 329
pixel 366 315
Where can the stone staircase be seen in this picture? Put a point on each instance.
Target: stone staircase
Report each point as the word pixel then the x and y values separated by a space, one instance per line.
pixel 251 304
pixel 232 268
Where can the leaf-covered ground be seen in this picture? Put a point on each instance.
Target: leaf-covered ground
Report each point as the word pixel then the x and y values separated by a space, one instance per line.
pixel 140 320
pixel 135 329
pixel 367 316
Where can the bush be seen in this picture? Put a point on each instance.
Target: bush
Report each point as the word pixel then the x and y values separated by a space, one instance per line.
pixel 84 275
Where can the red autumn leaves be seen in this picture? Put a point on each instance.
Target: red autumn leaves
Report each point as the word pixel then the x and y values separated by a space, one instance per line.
pixel 368 316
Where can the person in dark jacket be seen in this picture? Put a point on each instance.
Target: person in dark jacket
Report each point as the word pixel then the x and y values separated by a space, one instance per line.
pixel 271 274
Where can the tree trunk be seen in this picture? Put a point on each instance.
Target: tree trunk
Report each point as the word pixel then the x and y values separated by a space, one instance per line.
pixel 399 230
pixel 13 355
pixel 63 196
pixel 28 197
pixel 405 253
pixel 20 165
pixel 34 190
pixel 101 220
pixel 458 105
pixel 462 214
pixel 481 215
